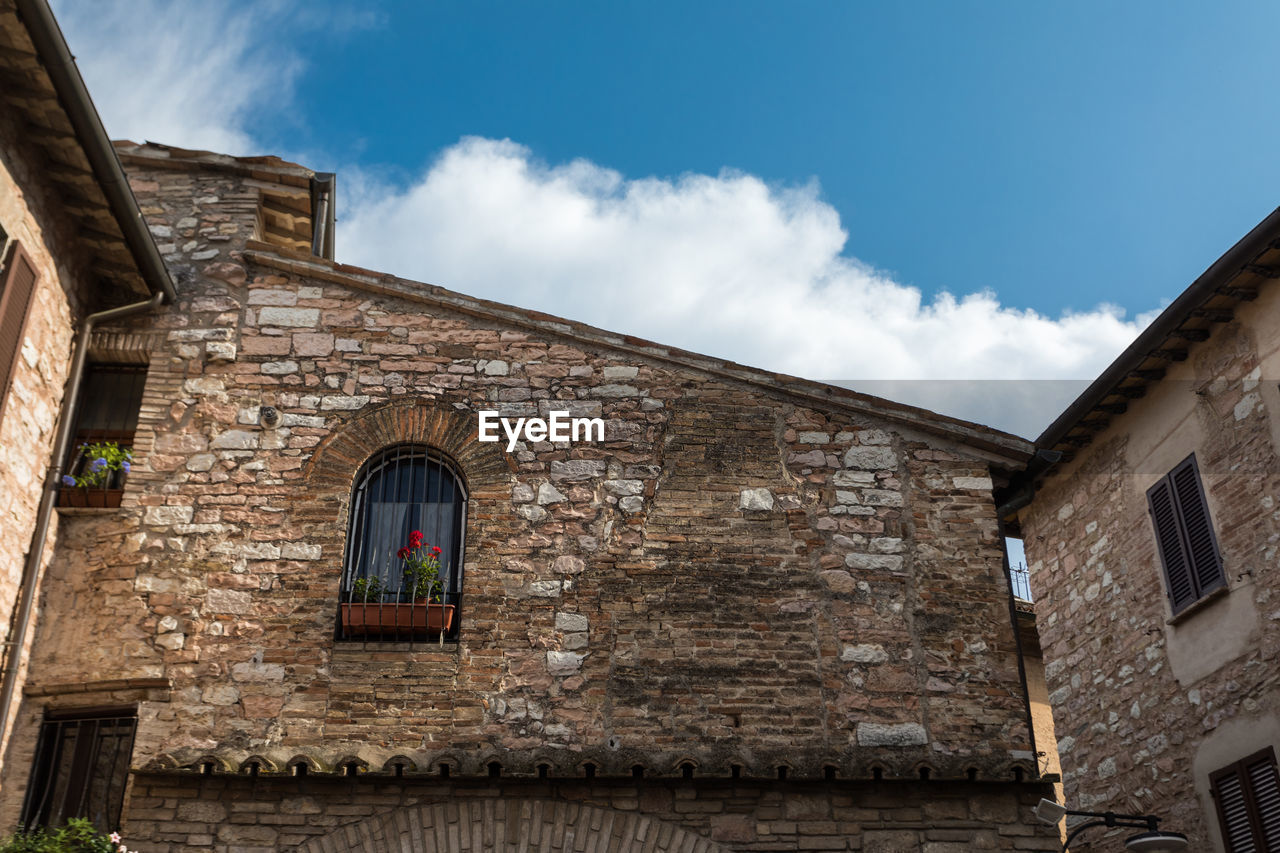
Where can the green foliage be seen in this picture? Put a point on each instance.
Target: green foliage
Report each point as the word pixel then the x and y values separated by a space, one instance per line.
pixel 102 459
pixel 78 836
pixel 421 569
pixel 422 579
pixel 364 589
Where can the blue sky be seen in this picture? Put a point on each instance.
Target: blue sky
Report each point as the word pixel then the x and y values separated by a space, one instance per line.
pixel 1062 155
pixel 841 190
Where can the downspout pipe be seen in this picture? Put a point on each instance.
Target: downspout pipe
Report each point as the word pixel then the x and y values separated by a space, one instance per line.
pixel 20 622
pixel 322 214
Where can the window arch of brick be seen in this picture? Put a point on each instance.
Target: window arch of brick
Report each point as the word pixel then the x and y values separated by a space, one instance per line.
pixel 539 825
pixel 329 476
pixel 321 504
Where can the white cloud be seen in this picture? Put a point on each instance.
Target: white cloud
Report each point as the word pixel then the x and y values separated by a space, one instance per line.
pixel 185 74
pixel 727 265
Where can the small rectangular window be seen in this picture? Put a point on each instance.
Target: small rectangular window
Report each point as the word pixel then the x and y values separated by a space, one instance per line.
pixel 1184 534
pixel 1247 795
pixel 81 768
pixel 110 398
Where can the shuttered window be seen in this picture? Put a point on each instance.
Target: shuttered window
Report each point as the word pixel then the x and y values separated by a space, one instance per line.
pixel 18 280
pixel 1184 533
pixel 1248 797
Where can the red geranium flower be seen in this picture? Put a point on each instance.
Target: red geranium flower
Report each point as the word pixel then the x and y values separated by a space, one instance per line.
pixel 415 539
pixel 435 550
pixel 403 553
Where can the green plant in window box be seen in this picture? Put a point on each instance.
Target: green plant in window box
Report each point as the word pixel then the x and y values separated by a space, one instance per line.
pixel 421 570
pixel 367 589
pixel 419 611
pixel 103 466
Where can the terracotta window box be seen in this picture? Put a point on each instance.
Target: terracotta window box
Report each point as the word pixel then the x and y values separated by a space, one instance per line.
pixel 394 619
pixel 80 497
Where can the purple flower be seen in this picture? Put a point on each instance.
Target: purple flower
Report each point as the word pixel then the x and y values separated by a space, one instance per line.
pixel 68 480
pixel 98 464
pixel 124 466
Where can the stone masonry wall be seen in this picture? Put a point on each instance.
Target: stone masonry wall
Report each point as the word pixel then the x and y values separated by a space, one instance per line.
pixel 184 813
pixel 30 216
pixel 1138 697
pixel 730 578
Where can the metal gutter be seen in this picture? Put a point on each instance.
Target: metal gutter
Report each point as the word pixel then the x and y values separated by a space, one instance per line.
pixel 21 619
pixel 61 67
pixel 1222 271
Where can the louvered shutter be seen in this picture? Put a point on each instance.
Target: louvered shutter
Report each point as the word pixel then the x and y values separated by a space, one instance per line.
pixel 1233 813
pixel 1202 547
pixel 19 281
pixel 1247 794
pixel 1177 569
pixel 1264 783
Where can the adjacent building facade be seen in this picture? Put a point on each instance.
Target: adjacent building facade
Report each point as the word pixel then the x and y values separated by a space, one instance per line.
pixel 72 243
pixel 750 612
pixel 1153 550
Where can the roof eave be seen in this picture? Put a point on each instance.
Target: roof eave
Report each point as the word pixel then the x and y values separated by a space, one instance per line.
pixel 1207 285
pixel 60 65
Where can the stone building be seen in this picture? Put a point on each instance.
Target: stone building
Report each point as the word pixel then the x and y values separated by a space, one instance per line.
pixel 1153 551
pixel 72 243
pixel 752 612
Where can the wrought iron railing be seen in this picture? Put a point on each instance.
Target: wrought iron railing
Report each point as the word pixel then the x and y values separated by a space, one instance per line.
pixel 402 578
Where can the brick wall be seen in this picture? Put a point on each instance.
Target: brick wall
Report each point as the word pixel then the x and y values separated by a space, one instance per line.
pixel 181 813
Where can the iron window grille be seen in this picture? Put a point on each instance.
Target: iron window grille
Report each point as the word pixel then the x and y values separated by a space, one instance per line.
pixel 1247 794
pixel 403 489
pixel 1184 534
pixel 81 768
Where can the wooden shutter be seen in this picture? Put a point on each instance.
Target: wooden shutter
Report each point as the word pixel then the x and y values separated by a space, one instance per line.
pixel 1202 547
pixel 1265 784
pixel 1184 532
pixel 17 283
pixel 1177 569
pixel 1247 794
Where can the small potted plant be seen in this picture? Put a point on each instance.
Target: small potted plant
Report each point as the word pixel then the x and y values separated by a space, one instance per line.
pixel 100 483
pixel 366 589
pixel 419 609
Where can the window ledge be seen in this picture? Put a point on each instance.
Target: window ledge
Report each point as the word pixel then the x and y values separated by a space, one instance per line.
pixel 1194 608
pixel 351 650
pixel 86 510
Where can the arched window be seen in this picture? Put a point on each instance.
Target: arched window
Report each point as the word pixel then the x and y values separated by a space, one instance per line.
pixel 402 577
